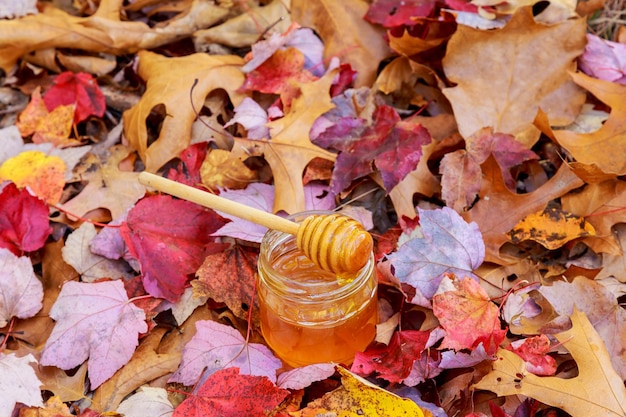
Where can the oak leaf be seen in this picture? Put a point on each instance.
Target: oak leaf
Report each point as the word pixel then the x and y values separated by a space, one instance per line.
pixel 65 387
pixel 290 149
pixel 552 228
pixel 43 174
pixel 493 69
pixel 467 315
pixel 94 321
pixel 605 146
pixel 226 393
pixel 173 89
pixel 495 197
pixel 345 34
pixel 358 397
pixel 21 291
pixel 108 187
pixel 597 391
pixel 216 346
pixel 24 223
pixel 170 238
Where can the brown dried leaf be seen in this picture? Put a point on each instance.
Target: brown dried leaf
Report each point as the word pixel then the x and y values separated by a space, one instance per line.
pixel 498 84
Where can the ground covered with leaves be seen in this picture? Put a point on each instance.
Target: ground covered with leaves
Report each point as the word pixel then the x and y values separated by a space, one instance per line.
pixel 482 143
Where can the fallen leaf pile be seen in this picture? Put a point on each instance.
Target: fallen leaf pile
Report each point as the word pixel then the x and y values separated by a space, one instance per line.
pixel 482 143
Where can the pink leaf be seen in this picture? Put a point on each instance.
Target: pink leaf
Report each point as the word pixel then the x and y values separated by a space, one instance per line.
pixel 390 13
pixel 216 346
pixel 302 377
pixel 604 59
pixel 18 383
pixel 21 292
pixel 252 117
pixel 534 352
pixel 449 245
pixel 94 321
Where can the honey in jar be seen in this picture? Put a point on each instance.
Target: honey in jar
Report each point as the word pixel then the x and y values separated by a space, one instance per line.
pixel 309 315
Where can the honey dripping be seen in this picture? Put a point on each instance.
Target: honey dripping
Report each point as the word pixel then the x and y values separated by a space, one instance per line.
pixel 310 315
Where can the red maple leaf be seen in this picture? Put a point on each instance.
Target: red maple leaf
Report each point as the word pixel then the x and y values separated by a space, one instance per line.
pixel 467 314
pixel 281 74
pixel 24 223
pixel 226 393
pixel 188 169
pixel 392 362
pixel 534 352
pixel 170 238
pixel 80 89
pixel 391 13
pixel 392 144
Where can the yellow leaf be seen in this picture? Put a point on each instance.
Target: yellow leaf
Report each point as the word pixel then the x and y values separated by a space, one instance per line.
pixel 42 173
pixel 169 82
pixel 551 227
pixel 597 391
pixel 222 169
pixel 357 397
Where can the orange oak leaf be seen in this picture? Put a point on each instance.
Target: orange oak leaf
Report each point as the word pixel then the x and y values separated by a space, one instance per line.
pixel 43 174
pixel 552 228
pixel 495 197
pixel 173 89
pixel 467 315
pixel 493 69
pixel 606 146
pixel 290 149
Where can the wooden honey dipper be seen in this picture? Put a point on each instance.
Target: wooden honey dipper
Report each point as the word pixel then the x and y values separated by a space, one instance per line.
pixel 334 242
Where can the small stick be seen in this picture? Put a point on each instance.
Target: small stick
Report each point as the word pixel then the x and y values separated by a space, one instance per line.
pixel 213 201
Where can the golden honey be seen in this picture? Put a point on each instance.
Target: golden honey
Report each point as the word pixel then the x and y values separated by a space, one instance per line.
pixel 309 315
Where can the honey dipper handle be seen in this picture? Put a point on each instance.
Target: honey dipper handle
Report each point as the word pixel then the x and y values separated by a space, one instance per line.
pixel 218 203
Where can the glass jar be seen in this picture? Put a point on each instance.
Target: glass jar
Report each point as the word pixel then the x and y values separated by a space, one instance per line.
pixel 309 315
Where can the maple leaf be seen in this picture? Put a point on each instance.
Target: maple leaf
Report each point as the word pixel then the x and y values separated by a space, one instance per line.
pixel 226 393
pixel 170 238
pixel 290 149
pixel 43 174
pixel 604 60
pixel 357 397
pixel 18 383
pixel 392 144
pixel 94 321
pixel 216 346
pixel 596 391
pixel 393 362
pixel 53 126
pixel 491 99
pixel 449 245
pixel 80 90
pixel 188 169
pixel 390 13
pixel 302 377
pixel 534 352
pixel 604 146
pixel 21 292
pixel 281 74
pixel 90 266
pixel 467 315
pixel 345 34
pixel 172 89
pixel 495 197
pixel 24 223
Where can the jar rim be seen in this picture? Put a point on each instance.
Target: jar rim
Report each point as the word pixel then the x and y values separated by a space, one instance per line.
pixel 286 287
